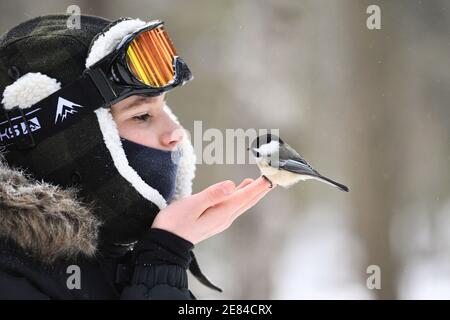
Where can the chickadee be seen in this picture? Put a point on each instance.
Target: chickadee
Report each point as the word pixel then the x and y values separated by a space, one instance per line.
pixel 281 164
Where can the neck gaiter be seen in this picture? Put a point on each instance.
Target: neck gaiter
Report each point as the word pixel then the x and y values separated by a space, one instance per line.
pixel 158 168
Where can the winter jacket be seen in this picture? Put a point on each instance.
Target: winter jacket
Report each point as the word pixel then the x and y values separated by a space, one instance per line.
pixel 48 250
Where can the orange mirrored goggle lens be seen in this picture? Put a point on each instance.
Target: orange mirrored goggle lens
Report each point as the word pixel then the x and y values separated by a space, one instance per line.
pixel 150 57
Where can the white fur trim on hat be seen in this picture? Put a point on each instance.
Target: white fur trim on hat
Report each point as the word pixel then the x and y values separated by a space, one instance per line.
pixel 106 42
pixel 29 89
pixel 186 166
pixel 112 141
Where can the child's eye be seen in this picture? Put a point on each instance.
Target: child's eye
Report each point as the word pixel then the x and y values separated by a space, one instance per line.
pixel 143 117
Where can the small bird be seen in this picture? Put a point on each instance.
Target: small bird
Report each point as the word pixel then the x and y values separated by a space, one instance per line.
pixel 281 164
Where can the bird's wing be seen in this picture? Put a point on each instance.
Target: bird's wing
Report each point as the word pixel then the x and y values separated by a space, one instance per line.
pixel 288 152
pixel 298 167
pixel 290 160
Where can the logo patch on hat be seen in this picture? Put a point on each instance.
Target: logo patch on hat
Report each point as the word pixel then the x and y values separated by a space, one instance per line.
pixel 64 108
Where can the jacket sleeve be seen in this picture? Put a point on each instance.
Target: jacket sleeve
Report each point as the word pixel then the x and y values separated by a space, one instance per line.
pixel 18 288
pixel 160 261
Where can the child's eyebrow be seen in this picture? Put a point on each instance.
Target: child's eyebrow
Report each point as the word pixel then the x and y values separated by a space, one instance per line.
pixel 137 102
pixel 140 100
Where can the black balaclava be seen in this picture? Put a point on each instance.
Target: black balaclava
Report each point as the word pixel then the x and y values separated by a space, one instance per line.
pixel 156 167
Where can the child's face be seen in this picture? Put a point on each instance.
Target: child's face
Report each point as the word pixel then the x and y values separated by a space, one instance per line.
pixel 144 121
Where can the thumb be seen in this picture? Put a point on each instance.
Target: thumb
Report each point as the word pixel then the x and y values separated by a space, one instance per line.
pixel 215 194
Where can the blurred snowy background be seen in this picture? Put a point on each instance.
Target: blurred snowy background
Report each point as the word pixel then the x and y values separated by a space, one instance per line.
pixel 369 108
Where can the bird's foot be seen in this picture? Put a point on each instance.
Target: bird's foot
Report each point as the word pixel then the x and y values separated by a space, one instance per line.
pixel 268 180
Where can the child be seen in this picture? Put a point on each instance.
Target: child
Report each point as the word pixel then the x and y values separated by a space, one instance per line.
pixel 96 172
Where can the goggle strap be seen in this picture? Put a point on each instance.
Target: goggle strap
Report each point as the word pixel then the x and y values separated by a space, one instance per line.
pixel 98 77
pixel 24 128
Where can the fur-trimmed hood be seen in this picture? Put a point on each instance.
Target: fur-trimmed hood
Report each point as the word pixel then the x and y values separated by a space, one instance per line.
pixel 44 220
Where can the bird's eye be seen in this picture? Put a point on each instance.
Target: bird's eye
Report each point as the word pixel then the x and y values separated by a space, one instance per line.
pixel 142 118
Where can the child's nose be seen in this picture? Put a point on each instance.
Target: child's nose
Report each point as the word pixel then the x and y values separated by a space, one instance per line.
pixel 172 138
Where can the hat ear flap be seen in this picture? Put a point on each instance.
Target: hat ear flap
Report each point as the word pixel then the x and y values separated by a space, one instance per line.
pixel 28 90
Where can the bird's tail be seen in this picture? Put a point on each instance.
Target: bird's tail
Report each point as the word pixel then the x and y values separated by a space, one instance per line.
pixel 333 183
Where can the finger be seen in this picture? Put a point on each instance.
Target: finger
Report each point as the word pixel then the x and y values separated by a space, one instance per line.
pixel 238 199
pixel 250 204
pixel 248 192
pixel 214 194
pixel 253 201
pixel 219 213
pixel 244 183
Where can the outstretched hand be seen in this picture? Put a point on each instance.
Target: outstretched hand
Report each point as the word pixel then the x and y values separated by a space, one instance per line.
pixel 211 211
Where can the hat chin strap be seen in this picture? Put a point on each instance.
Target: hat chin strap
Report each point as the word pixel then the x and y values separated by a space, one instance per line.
pixel 101 47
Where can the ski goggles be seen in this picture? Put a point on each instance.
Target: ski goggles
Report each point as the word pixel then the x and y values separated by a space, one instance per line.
pixel 145 62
